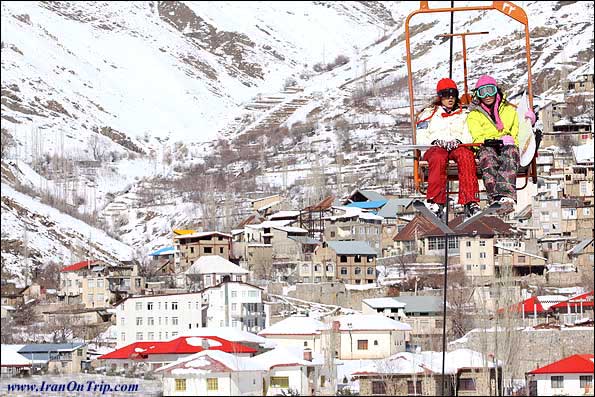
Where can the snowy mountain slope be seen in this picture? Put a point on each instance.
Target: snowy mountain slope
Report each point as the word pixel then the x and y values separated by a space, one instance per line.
pixel 174 69
pixel 43 234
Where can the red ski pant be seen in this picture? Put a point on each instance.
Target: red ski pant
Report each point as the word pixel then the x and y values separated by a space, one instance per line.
pixel 437 159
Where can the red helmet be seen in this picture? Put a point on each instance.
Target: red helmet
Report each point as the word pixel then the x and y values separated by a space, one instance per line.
pixel 445 84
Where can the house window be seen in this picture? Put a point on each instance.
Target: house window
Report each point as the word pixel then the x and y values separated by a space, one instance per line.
pixel 234 294
pixel 139 306
pixel 362 344
pixel 174 321
pixel 468 243
pixel 139 321
pixel 180 384
pixel 482 255
pixel 482 243
pixel 280 382
pixel 375 343
pixel 378 387
pixel 139 336
pixel 586 381
pixel 370 271
pixel 123 336
pixel 316 268
pixel 358 270
pixel 151 336
pixel 150 321
pixel 208 250
pixel 212 384
pixel 468 255
pixel 343 259
pixel 332 234
pixel 174 306
pixel 521 259
pixel 192 250
pixel 467 384
pixel 329 268
pixel 343 270
pixel 149 305
pixel 370 258
pixel 414 388
pixel 91 283
pixel 322 380
pixel 234 307
pixel 557 382
pixel 122 321
pixel 357 258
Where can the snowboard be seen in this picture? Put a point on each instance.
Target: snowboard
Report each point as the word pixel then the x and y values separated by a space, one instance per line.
pixel 526 137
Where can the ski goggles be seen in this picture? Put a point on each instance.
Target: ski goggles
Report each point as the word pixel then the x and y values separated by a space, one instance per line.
pixel 486 90
pixel 449 92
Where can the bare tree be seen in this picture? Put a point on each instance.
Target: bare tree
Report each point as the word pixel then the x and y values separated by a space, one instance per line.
pixel 7 141
pixel 96 147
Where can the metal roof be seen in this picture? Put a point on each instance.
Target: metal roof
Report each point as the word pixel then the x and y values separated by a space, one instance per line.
pixel 352 248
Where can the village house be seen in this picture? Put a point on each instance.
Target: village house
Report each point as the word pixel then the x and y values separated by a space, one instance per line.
pixel 353 262
pixel 190 245
pixel 571 376
pixel 363 336
pixel 295 370
pixel 353 222
pixel 158 317
pixel 234 304
pixel 214 373
pixel 467 372
pixel 12 363
pixel 296 331
pixel 56 358
pixel 422 313
pixel 98 284
pixel 208 271
pixel 150 355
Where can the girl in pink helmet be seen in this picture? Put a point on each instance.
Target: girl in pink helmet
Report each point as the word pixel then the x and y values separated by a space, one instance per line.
pixel 494 122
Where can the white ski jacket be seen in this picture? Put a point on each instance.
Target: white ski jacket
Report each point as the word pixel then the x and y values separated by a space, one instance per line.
pixel 434 123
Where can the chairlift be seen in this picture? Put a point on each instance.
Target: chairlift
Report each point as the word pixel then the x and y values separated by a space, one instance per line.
pixel 420 167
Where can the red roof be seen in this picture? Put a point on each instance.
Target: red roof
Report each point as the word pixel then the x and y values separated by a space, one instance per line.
pixel 577 364
pixel 586 299
pixel 176 346
pixel 77 266
pixel 529 306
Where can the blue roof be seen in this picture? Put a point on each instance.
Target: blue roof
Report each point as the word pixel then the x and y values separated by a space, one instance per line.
pixel 367 204
pixel 163 251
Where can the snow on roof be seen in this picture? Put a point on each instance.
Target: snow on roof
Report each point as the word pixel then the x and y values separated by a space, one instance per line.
pixel 203 362
pixel 584 153
pixel 291 229
pixel 214 264
pixel 365 322
pixel 284 214
pixel 231 334
pixel 287 356
pixel 383 302
pixel 410 363
pixel 10 357
pixel 549 300
pixel 576 364
pixel 269 224
pixel 295 325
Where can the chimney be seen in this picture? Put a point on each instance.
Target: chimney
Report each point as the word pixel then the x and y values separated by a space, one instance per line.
pixel 308 354
pixel 336 326
pixel 205 344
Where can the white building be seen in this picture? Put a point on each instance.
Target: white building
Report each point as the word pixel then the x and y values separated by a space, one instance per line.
pixel 208 271
pixel 213 373
pixel 235 304
pixel 295 369
pixel 571 376
pixel 296 331
pixel 158 317
pixel 371 336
